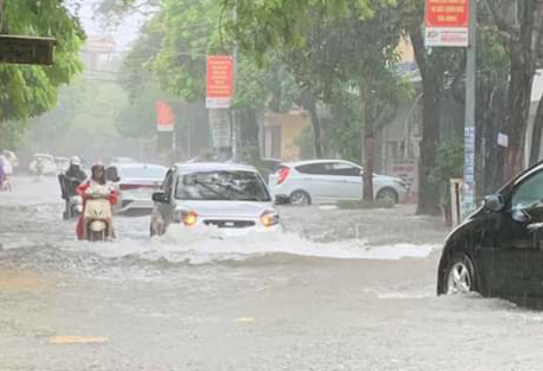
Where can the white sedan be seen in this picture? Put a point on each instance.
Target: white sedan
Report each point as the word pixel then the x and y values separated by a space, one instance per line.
pixel 135 184
pixel 330 181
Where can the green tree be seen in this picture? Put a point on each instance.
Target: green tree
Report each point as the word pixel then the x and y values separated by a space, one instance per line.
pixel 28 91
pixel 523 38
pixel 326 44
pixel 435 66
pixel 173 50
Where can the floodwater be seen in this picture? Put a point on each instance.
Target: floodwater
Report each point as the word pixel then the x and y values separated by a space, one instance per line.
pixel 338 290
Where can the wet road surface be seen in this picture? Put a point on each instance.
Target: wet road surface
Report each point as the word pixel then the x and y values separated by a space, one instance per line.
pixel 338 291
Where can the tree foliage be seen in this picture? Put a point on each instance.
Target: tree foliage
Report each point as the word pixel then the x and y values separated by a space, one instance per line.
pixel 28 91
pixel 261 26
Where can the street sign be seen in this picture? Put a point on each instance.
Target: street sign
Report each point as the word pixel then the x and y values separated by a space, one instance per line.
pixel 164 117
pixel 221 130
pixel 447 23
pixel 26 50
pixel 220 81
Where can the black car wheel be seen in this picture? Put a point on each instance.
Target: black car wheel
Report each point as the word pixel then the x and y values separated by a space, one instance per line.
pixel 460 275
pixel 300 198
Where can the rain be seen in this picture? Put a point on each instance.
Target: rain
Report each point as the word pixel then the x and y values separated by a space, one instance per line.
pixel 271 185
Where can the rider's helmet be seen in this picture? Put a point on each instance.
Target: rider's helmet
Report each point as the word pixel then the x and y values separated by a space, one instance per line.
pixel 75 161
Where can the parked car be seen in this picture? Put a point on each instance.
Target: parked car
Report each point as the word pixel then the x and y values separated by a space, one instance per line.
pixel 135 184
pixel 330 181
pixel 232 197
pixel 47 162
pixel 498 250
pixel 122 160
pixel 63 163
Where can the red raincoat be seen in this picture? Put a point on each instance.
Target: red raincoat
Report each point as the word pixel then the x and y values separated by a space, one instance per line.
pixel 81 191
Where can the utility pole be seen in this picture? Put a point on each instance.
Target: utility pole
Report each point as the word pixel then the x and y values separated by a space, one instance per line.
pixel 469 128
pixel 234 133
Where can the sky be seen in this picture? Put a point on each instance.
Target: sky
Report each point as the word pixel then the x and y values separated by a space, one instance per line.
pixel 123 35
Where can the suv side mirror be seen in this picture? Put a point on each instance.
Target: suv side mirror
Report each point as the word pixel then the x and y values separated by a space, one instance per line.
pixel 112 175
pixel 160 197
pixel 282 200
pixel 494 203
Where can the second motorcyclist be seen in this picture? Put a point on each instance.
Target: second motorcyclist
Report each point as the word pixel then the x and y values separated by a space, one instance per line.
pixel 98 177
pixel 69 181
pixel 75 172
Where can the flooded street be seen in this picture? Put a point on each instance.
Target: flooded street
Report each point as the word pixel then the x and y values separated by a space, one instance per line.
pixel 336 291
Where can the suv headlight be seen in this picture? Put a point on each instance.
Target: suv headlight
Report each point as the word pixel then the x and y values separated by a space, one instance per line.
pixel 188 218
pixel 269 218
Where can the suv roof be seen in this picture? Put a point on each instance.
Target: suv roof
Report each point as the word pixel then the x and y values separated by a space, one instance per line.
pixel 214 166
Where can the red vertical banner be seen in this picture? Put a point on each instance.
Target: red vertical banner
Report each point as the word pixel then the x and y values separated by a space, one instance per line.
pixel 165 117
pixel 220 81
pixel 446 23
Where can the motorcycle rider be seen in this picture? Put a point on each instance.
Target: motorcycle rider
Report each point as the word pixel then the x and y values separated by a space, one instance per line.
pixel 69 181
pixel 75 174
pixel 98 177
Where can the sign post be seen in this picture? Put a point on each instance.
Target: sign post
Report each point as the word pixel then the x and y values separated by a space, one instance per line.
pixel 220 77
pixel 165 120
pixel 469 128
pixel 165 117
pixel 26 50
pixel 452 23
pixel 220 92
pixel 447 23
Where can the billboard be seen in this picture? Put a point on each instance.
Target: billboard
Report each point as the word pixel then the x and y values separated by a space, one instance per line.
pixel 164 117
pixel 220 81
pixel 446 23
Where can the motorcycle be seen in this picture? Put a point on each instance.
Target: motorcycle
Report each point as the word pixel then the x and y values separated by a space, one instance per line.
pixel 74 202
pixel 5 186
pixel 97 215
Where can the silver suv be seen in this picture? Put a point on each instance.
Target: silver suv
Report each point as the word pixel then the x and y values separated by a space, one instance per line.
pixel 232 197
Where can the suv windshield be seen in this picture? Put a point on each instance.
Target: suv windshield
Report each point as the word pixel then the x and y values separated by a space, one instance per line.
pixel 221 185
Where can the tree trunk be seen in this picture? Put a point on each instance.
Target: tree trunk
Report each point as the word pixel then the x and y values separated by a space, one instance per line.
pixel 520 88
pixel 494 156
pixel 310 104
pixel 368 147
pixel 249 133
pixel 428 194
pixel 428 198
pixel 536 134
pixel 524 44
pixel 316 122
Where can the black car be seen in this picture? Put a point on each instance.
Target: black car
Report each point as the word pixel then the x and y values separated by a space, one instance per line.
pixel 498 251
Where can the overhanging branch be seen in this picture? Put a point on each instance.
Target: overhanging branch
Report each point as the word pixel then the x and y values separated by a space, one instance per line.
pixel 500 18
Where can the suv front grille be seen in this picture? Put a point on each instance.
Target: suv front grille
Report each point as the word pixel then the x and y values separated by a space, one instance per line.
pixel 230 223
